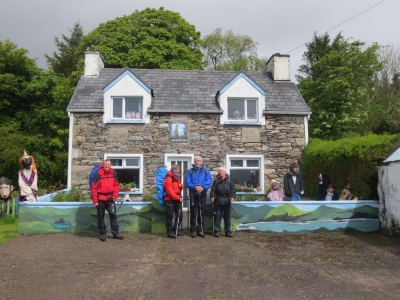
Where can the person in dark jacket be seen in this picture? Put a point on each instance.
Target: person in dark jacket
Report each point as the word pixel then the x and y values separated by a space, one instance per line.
pixel 198 181
pixel 322 186
pixel 222 195
pixel 104 190
pixel 293 182
pixel 173 200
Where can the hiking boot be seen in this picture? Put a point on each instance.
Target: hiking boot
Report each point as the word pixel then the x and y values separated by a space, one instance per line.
pixel 228 234
pixel 180 233
pixel 171 235
pixel 118 236
pixel 216 234
pixel 200 234
pixel 193 234
pixel 102 237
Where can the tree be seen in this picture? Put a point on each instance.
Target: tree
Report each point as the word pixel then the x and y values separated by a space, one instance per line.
pixel 31 118
pixel 336 81
pixel 64 62
pixel 230 52
pixel 385 96
pixel 152 39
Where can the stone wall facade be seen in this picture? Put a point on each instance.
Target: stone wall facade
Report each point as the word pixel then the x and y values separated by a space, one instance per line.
pixel 281 141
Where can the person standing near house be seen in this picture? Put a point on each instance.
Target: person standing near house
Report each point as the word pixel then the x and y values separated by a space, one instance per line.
pixel 293 182
pixel 104 190
pixel 173 200
pixel 198 181
pixel 27 179
pixel 223 194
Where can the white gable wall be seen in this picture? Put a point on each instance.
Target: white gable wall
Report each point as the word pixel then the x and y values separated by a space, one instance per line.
pixel 125 87
pixel 389 197
pixel 241 88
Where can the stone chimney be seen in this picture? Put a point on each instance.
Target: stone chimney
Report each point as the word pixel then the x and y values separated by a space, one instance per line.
pixel 279 66
pixel 93 64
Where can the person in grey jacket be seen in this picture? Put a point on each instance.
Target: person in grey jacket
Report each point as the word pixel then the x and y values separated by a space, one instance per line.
pixel 222 196
pixel 293 183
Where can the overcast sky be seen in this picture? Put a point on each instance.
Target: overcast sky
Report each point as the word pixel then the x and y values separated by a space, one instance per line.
pixel 278 26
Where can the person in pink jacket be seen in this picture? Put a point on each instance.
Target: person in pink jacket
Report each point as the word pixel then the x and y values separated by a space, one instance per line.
pixel 173 200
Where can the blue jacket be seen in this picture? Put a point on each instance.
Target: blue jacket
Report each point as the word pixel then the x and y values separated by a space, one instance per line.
pixel 200 177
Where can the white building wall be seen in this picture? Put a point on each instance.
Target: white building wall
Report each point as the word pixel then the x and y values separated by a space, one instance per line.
pixel 389 197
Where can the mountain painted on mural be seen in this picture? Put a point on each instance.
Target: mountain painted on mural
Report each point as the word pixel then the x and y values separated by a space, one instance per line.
pixel 290 213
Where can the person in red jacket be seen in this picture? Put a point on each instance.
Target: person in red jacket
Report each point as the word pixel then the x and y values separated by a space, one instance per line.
pixel 173 200
pixel 105 189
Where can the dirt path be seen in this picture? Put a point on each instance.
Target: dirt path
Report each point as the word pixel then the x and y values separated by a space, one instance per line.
pixel 144 266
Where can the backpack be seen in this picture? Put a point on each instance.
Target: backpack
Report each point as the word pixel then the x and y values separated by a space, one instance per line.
pixel 95 169
pixel 161 174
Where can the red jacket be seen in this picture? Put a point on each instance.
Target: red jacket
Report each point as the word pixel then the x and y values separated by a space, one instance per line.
pixel 104 185
pixel 173 187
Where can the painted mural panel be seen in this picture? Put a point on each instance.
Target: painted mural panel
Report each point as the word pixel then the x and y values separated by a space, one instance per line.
pixel 75 217
pixel 306 216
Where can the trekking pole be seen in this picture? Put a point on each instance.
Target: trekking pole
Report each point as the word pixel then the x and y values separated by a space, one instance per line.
pixel 201 218
pixel 109 219
pixel 213 213
pixel 232 220
pixel 177 224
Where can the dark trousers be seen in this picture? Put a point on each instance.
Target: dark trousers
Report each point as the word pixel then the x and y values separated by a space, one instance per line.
pixel 224 210
pixel 173 207
pixel 112 211
pixel 197 215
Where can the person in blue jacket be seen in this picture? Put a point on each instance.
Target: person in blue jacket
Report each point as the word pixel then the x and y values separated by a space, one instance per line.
pixel 198 181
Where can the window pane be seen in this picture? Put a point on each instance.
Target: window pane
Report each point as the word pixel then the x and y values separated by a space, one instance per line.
pixel 132 162
pixel 133 108
pixel 236 109
pixel 251 109
pixel 117 107
pixel 246 178
pixel 252 162
pixel 116 162
pixel 235 163
pixel 129 175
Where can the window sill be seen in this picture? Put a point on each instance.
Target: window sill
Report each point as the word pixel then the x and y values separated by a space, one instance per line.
pixel 241 122
pixel 126 121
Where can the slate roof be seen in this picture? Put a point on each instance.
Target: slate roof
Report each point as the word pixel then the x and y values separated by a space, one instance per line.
pixel 188 90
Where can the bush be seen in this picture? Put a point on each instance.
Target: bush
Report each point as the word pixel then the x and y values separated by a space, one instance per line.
pixel 73 195
pixel 350 160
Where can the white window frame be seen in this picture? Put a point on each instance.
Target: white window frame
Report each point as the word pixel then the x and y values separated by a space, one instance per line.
pixel 125 156
pixel 245 120
pixel 229 167
pixel 123 118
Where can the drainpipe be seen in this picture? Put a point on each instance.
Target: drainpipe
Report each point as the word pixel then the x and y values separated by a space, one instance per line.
pixel 306 118
pixel 70 135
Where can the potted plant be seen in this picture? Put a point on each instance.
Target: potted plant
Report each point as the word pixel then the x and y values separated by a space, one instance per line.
pixel 125 187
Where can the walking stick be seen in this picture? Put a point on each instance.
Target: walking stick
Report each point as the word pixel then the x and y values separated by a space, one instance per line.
pixel 177 224
pixel 201 219
pixel 213 212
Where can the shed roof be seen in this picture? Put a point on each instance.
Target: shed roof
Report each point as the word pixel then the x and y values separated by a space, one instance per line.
pixel 186 90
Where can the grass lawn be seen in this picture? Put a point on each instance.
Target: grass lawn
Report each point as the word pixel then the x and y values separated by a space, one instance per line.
pixel 8 228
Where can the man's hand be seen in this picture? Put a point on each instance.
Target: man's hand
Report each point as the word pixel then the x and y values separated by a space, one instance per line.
pixel 96 204
pixel 212 199
pixel 232 199
pixel 198 189
pixel 181 199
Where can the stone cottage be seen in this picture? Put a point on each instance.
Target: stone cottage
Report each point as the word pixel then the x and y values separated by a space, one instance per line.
pixel 253 123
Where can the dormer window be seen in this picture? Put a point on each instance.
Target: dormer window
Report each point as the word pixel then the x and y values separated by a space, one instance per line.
pixel 127 108
pixel 242 109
